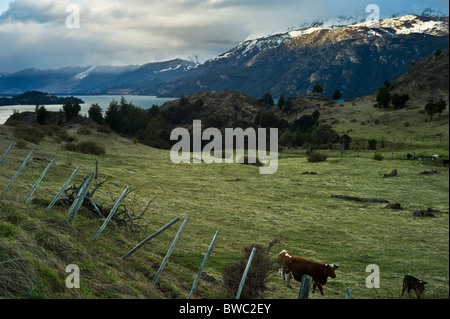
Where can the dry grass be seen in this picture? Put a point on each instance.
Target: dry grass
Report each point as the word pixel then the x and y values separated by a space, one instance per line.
pixel 297 209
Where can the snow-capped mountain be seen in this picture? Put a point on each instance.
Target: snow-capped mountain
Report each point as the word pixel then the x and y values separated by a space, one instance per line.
pixel 336 52
pixel 94 79
pixel 401 25
pixel 346 53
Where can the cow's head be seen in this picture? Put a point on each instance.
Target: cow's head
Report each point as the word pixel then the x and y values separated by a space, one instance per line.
pixel 330 270
pixel 282 256
pixel 421 286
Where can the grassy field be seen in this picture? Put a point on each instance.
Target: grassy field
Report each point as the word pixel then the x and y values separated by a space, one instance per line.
pixel 294 208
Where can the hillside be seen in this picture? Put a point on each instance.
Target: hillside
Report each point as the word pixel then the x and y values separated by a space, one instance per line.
pixel 426 79
pixel 245 207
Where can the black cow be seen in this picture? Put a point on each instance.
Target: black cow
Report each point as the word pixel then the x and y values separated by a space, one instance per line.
pixel 445 162
pixel 412 283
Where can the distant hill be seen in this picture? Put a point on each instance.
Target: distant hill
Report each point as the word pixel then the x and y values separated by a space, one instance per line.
pixel 426 79
pixel 35 98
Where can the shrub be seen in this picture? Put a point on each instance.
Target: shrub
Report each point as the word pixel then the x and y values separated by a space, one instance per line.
pixel 258 274
pixel 91 148
pixel 378 157
pixel 63 136
pixel 318 88
pixel 7 230
pixel 83 130
pixel 372 144
pixel 316 157
pixel 251 160
pixel 31 134
pixel 383 97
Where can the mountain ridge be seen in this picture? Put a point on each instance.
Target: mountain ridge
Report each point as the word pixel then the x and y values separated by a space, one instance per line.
pixel 283 63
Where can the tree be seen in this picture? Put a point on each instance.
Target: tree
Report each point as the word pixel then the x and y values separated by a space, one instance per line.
pixel 441 106
pixel 318 88
pixel 113 118
pixel 437 53
pixel 71 110
pixel 346 140
pixel 337 95
pixel 95 113
pixel 399 101
pixel 267 99
pixel 281 101
pixel 288 105
pixel 184 101
pixel 383 97
pixel 41 114
pixel 431 109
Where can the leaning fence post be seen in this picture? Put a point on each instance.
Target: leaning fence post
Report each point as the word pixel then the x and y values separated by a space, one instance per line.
pixel 150 237
pixel 112 212
pixel 6 153
pixel 205 259
pixel 39 181
pixel 62 189
pixel 76 205
pixel 305 287
pixel 244 276
pixel 169 252
pixel 18 172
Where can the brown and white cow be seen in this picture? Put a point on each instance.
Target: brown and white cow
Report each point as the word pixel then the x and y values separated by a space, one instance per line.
pixel 297 267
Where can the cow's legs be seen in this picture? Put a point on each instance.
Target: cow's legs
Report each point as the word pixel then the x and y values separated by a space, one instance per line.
pixel 320 289
pixel 318 286
pixel 287 278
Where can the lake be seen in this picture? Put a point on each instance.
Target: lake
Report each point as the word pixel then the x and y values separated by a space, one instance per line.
pixel 141 101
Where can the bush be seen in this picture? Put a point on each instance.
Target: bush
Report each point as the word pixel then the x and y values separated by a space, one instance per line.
pixel 316 157
pixel 372 144
pixel 378 157
pixel 251 161
pixel 258 274
pixel 31 134
pixel 83 130
pixel 383 97
pixel 63 136
pixel 91 148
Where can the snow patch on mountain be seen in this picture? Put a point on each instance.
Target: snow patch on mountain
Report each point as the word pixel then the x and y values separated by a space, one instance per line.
pixel 407 24
pixel 84 74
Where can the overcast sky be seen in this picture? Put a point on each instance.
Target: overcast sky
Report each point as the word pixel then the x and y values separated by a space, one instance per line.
pixel 33 33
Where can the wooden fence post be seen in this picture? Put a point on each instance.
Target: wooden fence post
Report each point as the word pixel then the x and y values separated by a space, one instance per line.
pixel 112 212
pixel 305 287
pixel 39 181
pixel 62 189
pixel 6 153
pixel 76 205
pixel 169 252
pixel 18 172
pixel 244 276
pixel 132 251
pixel 205 259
